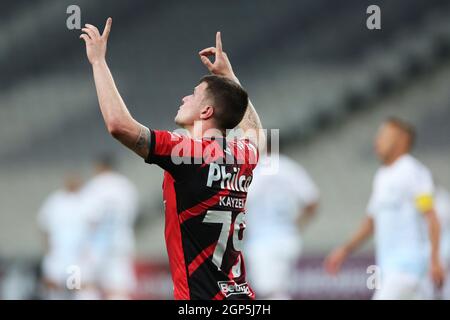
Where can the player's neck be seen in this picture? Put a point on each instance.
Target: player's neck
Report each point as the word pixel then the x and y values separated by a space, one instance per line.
pixel 102 170
pixel 394 158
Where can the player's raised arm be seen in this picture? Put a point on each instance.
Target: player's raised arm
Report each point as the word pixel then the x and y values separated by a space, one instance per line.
pixel 250 124
pixel 118 119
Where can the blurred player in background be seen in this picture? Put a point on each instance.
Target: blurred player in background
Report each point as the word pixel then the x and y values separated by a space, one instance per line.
pixel 111 204
pixel 62 221
pixel 206 176
pixel 279 206
pixel 399 211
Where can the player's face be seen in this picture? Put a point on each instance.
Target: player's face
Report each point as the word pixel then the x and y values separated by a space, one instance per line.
pixel 191 106
pixel 72 183
pixel 386 141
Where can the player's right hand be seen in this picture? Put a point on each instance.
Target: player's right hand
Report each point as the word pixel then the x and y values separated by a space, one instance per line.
pixel 96 42
pixel 334 260
pixel 437 274
pixel 221 65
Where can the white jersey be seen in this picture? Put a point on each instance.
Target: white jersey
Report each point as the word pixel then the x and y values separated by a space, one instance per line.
pixel 61 217
pixel 401 236
pixel 110 200
pixel 275 201
pixel 442 206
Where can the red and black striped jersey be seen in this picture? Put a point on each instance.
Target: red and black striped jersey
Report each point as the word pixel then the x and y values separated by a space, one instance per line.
pixel 205 189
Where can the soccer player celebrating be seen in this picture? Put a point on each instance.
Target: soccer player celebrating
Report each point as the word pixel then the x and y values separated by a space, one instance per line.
pixel 399 210
pixel 206 176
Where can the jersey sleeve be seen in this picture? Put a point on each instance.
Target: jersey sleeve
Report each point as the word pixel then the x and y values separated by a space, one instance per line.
pixel 246 152
pixel 172 152
pixel 307 191
pixel 423 190
pixel 253 154
pixel 303 187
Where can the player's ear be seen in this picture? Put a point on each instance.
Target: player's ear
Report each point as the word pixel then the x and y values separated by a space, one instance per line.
pixel 207 112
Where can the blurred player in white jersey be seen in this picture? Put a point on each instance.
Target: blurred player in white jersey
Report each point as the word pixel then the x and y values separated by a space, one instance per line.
pixel 111 202
pixel 400 211
pixel 279 204
pixel 62 222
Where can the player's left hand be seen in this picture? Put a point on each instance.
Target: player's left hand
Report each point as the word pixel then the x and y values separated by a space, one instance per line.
pixel 221 65
pixel 334 260
pixel 437 274
pixel 96 42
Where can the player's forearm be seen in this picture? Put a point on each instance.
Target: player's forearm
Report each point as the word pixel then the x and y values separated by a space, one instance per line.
pixel 118 119
pixel 251 119
pixel 363 233
pixel 252 127
pixel 113 109
pixel 434 234
pixel 251 123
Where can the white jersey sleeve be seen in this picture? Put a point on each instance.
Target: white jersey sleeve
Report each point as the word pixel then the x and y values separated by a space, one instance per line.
pixel 306 190
pixel 422 189
pixel 299 181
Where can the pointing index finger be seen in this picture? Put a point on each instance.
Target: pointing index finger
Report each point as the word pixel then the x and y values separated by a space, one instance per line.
pixel 107 27
pixel 218 42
